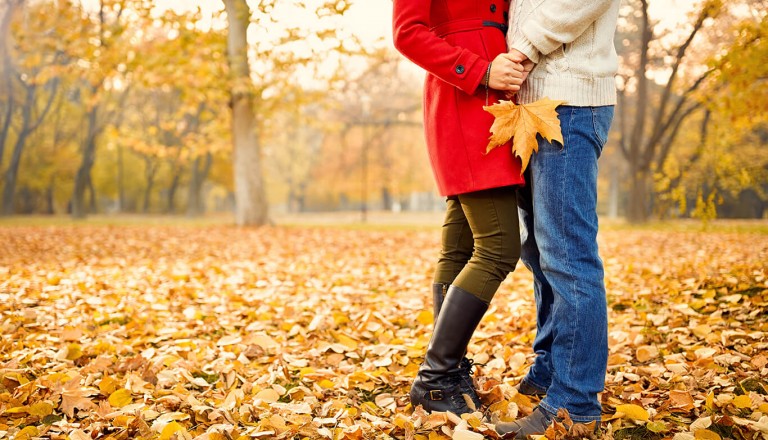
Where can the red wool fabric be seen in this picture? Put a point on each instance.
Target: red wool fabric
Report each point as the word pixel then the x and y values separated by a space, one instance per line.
pixel 449 39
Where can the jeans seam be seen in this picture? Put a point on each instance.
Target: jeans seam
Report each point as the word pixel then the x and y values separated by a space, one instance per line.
pixel 561 214
pixel 575 322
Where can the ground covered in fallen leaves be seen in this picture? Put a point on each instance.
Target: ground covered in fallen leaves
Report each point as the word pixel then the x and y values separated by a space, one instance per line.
pixel 225 333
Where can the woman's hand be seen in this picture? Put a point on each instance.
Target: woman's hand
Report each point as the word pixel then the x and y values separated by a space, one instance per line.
pixel 506 73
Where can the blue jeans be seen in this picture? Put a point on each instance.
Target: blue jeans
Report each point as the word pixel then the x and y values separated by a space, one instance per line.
pixel 558 214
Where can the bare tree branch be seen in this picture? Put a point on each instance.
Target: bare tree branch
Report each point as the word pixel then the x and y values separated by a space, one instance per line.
pixel 661 113
pixel 666 146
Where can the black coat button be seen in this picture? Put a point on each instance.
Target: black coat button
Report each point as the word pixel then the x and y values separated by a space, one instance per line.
pixel 460 69
pixel 493 8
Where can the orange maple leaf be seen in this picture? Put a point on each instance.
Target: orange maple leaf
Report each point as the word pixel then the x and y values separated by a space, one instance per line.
pixel 521 123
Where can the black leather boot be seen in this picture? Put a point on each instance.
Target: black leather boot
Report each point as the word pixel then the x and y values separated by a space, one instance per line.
pixel 439 290
pixel 441 380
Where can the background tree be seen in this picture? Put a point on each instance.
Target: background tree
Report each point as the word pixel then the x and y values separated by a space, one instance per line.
pixel 659 89
pixel 29 75
pixel 282 58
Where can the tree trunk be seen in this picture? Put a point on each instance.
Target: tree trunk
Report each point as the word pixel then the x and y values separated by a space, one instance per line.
pixel 8 117
pixel 120 179
pixel 647 145
pixel 149 173
pixel 50 208
pixel 251 206
pixel 12 173
pixel 639 204
pixel 83 177
pixel 91 196
pixel 5 37
pixel 613 192
pixel 171 202
pixel 200 169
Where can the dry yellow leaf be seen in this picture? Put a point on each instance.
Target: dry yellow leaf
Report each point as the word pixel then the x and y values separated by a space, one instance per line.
pixel 74 352
pixel 425 317
pixel 268 395
pixel 170 429
pixel 40 409
pixel 403 422
pixel 521 123
pixel 147 333
pixel 325 383
pixel 632 411
pixel 646 353
pixel 120 398
pixel 108 385
pixel 345 340
pixel 522 400
pixel 706 434
pixel 436 436
pixel 742 401
pixel 657 427
pixel 27 433
pixel 473 421
pixel 701 331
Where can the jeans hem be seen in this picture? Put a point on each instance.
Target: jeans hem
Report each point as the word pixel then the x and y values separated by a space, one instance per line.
pixel 576 418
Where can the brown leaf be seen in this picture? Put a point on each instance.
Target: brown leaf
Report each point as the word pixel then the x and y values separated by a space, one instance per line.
pixel 680 401
pixel 74 397
pixel 521 123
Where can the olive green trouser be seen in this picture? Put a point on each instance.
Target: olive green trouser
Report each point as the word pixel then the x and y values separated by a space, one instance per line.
pixel 480 242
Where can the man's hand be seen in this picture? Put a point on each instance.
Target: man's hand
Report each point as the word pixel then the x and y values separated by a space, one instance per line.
pixel 519 57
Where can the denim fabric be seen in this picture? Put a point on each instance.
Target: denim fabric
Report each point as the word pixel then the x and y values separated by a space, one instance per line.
pixel 558 213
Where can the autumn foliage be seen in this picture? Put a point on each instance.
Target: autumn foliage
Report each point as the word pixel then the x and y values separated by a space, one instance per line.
pixel 521 123
pixel 227 333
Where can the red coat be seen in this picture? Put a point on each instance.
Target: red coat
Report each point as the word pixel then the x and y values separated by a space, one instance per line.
pixel 454 40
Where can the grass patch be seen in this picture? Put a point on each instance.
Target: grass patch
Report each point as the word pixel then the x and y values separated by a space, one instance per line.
pixel 751 226
pixel 352 220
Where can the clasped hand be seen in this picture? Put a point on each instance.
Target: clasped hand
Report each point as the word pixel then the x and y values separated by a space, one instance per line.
pixel 509 71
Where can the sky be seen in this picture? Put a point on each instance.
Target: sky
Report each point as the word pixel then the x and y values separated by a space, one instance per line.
pixel 370 20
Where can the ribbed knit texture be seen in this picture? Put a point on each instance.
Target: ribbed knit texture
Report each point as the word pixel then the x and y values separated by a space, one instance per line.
pixel 571 42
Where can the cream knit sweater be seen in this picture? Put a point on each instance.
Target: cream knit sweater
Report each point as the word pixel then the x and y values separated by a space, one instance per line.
pixel 571 42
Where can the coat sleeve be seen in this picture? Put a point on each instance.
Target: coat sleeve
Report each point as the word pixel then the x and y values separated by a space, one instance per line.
pixel 457 66
pixel 554 23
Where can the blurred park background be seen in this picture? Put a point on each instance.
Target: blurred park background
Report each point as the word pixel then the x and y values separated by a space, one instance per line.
pixel 271 108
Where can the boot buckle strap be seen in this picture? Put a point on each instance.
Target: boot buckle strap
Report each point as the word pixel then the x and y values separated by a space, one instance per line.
pixel 435 394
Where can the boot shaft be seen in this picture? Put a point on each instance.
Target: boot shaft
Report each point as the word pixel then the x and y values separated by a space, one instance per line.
pixel 459 316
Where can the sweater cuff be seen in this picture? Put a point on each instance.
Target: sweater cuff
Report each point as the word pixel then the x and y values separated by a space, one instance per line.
pixel 526 47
